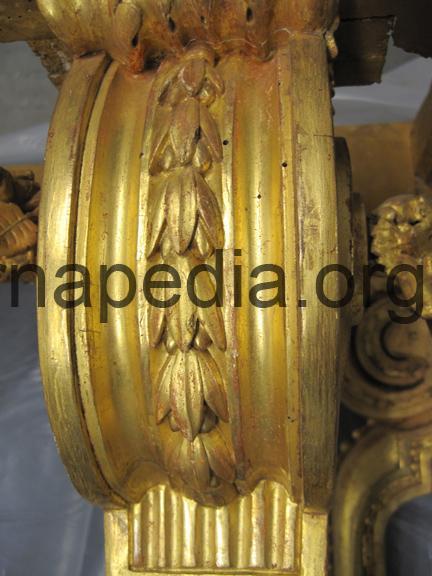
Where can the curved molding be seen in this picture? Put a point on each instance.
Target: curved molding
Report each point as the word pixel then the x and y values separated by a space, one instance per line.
pixel 388 375
pixel 384 470
pixel 55 325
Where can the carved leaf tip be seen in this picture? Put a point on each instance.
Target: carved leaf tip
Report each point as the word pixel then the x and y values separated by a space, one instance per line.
pixel 157 219
pixel 189 460
pixel 182 323
pixel 181 209
pixel 192 76
pixel 184 132
pixel 191 387
pixel 213 386
pixel 210 134
pixel 209 213
pixel 163 394
pixel 156 321
pixel 126 26
pixel 186 394
pixel 212 321
pixel 220 455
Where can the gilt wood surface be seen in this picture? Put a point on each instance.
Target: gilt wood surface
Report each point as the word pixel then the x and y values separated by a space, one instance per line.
pixel 164 150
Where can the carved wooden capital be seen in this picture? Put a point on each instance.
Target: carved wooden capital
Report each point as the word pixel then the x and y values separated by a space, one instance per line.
pixel 207 431
pixel 141 33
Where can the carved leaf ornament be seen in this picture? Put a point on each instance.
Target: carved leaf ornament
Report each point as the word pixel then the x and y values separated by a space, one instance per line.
pixel 17 232
pixel 185 228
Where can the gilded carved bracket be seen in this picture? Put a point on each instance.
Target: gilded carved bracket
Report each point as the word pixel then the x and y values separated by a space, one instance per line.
pixel 186 132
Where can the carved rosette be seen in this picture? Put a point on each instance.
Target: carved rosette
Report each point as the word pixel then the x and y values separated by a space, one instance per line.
pixel 402 237
pixel 197 130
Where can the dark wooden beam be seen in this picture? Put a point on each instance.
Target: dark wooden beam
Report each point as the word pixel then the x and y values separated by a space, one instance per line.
pixel 422 141
pixel 362 47
pixel 365 28
pixel 21 20
pixel 357 9
pixel 413 27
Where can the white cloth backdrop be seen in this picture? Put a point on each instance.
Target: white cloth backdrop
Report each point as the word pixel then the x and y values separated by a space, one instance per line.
pixel 46 528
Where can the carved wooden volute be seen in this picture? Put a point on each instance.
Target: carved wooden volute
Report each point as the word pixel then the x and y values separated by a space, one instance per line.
pixel 197 133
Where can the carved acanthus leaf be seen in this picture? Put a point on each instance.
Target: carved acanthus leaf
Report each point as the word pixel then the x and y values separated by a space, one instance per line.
pixel 182 203
pixel 181 209
pixel 19 203
pixel 136 31
pixel 213 387
pixel 219 454
pixel 190 462
pixel 184 320
pixel 190 384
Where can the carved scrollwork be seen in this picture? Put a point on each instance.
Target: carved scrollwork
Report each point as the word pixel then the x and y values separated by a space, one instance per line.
pixel 19 204
pixel 389 376
pixel 388 381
